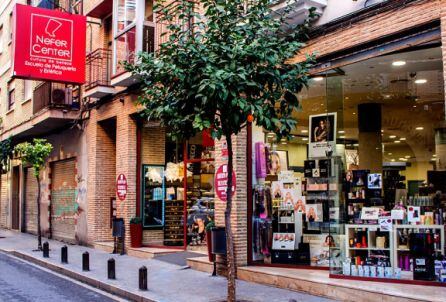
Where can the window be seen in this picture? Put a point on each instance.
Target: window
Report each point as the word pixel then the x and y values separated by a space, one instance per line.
pixel 124 33
pixel 27 89
pixel 1 39
pixel 126 11
pixel 11 98
pixel 11 27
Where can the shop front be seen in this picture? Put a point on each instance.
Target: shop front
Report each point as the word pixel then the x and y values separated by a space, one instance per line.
pixel 177 189
pixel 360 188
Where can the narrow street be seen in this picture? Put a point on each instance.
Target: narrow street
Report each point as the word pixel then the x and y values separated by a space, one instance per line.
pixel 20 281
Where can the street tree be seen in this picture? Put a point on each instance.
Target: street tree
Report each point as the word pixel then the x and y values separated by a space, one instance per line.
pixel 35 155
pixel 219 70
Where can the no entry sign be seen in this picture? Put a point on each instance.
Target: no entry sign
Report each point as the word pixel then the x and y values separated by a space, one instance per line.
pixel 121 187
pixel 221 182
pixel 49 45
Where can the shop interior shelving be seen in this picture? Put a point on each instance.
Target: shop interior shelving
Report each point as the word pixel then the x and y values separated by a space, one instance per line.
pixel 371 230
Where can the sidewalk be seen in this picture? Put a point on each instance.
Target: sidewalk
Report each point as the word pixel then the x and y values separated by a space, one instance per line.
pixel 166 282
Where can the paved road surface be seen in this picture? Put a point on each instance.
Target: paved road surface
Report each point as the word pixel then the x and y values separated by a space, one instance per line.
pixel 20 281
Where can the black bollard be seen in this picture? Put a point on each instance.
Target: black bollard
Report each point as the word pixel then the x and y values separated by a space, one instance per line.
pixel 86 261
pixel 46 250
pixel 64 254
pixel 111 268
pixel 143 278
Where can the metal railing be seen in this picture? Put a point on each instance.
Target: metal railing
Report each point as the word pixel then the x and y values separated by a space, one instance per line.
pixel 55 95
pixel 98 69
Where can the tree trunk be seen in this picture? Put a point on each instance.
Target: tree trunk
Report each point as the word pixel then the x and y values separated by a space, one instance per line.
pixel 231 265
pixel 39 231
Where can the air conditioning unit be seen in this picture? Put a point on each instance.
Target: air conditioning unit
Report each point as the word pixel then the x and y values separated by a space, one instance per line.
pixel 58 96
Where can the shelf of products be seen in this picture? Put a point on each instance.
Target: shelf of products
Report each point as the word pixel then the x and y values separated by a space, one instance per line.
pixel 173 214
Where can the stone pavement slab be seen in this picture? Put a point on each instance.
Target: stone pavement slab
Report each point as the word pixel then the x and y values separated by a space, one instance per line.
pixel 167 282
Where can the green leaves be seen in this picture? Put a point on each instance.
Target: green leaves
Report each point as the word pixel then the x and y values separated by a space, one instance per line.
pixel 217 68
pixel 35 153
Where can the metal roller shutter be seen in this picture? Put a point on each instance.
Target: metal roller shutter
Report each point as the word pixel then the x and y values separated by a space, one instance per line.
pixel 63 200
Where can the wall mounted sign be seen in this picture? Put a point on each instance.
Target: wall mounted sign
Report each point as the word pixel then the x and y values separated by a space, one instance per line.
pixel 121 187
pixel 221 182
pixel 48 45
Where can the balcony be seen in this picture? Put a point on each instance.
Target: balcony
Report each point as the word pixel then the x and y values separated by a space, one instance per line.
pixel 99 65
pixel 50 95
pixel 126 50
pixel 98 8
pixel 54 106
pixel 300 9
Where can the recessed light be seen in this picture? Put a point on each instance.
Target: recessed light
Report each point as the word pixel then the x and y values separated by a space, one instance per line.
pixel 392 159
pixel 419 128
pixel 342 136
pixel 341 131
pixel 390 153
pixel 304 131
pixel 407 156
pixel 354 113
pixel 433 159
pixel 399 63
pixel 414 106
pixel 397 142
pixel 382 131
pixel 305 138
pixel 402 158
pixel 402 138
pixel 318 79
pixel 387 96
pixel 392 136
pixel 356 145
pixel 435 155
pixel 284 143
pixel 421 81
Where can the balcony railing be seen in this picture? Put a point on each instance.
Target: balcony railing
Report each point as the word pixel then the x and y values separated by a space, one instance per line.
pixel 71 6
pixel 99 66
pixel 55 95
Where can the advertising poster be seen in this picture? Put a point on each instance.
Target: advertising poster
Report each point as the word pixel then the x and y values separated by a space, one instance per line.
pixel 322 135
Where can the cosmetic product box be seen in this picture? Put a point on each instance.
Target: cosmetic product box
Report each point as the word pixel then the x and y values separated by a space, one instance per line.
pixel 283 257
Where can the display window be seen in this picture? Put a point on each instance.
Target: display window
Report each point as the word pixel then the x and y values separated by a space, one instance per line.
pixel 360 188
pixel 177 195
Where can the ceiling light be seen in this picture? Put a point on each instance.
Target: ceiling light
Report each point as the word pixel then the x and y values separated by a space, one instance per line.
pixel 402 138
pixel 382 131
pixel 435 155
pixel 305 138
pixel 407 156
pixel 392 159
pixel 284 143
pixel 419 128
pixel 304 131
pixel 390 153
pixel 421 81
pixel 387 96
pixel 318 79
pixel 341 131
pixel 354 113
pixel 397 142
pixel 414 106
pixel 402 158
pixel 392 136
pixel 433 159
pixel 399 63
pixel 356 145
pixel 342 136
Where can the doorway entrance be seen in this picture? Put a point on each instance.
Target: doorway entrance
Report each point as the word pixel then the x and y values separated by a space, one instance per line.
pixel 15 198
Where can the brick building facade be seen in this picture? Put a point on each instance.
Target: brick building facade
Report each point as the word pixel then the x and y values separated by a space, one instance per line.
pixel 106 137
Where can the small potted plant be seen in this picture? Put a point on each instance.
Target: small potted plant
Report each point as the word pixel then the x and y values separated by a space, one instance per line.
pixel 136 232
pixel 209 228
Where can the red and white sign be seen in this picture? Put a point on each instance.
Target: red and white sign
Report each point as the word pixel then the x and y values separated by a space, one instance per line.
pixel 221 182
pixel 49 45
pixel 121 187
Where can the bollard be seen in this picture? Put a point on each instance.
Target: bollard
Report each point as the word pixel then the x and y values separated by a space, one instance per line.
pixel 111 268
pixel 64 254
pixel 86 261
pixel 143 278
pixel 46 249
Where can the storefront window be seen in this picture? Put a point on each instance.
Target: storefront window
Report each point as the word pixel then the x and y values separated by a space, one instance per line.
pixel 361 186
pixel 177 185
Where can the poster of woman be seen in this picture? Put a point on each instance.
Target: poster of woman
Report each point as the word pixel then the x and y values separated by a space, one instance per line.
pixel 314 212
pixel 322 135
